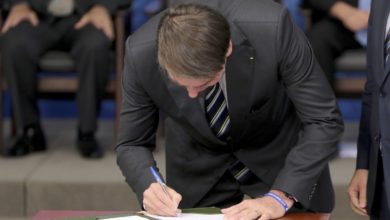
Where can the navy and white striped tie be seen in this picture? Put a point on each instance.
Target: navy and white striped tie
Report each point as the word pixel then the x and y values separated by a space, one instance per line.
pixel 217 112
pixel 387 47
pixel 218 117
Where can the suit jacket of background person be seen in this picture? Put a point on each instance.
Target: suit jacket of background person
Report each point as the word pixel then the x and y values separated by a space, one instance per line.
pixel 374 123
pixel 284 118
pixel 81 6
pixel 321 8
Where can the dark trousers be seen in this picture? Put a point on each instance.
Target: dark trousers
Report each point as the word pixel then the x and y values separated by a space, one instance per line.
pixel 329 39
pixel 23 45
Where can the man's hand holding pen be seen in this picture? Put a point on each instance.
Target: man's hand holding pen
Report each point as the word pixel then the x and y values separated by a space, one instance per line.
pixel 159 199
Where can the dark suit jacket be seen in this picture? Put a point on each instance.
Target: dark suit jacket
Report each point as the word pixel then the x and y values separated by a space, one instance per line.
pixel 81 6
pixel 285 122
pixel 374 123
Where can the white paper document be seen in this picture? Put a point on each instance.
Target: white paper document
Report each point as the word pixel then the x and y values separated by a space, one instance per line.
pixel 187 216
pixel 190 216
pixel 135 217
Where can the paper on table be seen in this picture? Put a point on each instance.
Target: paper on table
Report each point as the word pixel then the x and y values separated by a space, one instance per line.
pixel 187 216
pixel 190 216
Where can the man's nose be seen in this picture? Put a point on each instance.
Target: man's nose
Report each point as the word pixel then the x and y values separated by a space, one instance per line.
pixel 192 93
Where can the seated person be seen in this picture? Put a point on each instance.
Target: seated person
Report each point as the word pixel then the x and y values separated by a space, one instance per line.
pixel 335 23
pixel 85 29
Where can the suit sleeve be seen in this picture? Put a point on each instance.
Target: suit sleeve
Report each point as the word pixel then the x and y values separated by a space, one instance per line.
pixel 138 125
pixel 316 107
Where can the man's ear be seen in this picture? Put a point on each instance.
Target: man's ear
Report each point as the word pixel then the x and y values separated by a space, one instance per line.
pixel 230 49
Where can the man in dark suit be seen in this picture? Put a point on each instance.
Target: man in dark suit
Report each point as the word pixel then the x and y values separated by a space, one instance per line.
pixel 32 27
pixel 248 110
pixel 369 190
pixel 333 29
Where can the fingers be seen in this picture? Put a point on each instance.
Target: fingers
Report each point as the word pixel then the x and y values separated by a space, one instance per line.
pixel 19 13
pixel 233 210
pixel 14 21
pixel 363 198
pixel 80 24
pixel 246 214
pixel 108 30
pixel 264 217
pixel 244 210
pixel 101 24
pixel 7 25
pixel 99 17
pixel 33 19
pixel 362 212
pixel 157 202
pixel 175 197
pixel 354 202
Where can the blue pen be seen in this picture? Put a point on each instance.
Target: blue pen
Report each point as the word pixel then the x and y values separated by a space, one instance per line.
pixel 162 184
pixel 159 180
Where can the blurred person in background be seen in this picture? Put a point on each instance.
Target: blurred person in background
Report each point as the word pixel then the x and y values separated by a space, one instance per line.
pixel 85 29
pixel 336 27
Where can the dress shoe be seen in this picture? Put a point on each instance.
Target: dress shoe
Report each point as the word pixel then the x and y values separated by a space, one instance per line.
pixel 88 146
pixel 31 140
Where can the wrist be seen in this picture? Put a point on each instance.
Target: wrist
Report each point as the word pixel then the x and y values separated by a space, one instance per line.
pixel 287 198
pixel 279 200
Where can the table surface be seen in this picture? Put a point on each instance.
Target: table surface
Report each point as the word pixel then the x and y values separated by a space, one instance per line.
pixel 58 214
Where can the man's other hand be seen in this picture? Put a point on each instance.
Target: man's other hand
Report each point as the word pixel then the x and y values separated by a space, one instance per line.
pixel 263 208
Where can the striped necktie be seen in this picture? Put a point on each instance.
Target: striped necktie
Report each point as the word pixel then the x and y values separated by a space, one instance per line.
pixel 218 117
pixel 387 47
pixel 217 112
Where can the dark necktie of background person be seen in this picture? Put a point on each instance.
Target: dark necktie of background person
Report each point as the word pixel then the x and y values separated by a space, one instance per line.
pixel 387 48
pixel 217 112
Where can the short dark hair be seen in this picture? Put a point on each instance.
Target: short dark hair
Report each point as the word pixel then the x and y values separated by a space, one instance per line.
pixel 193 41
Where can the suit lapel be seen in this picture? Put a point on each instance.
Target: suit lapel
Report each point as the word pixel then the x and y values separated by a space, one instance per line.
pixel 239 79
